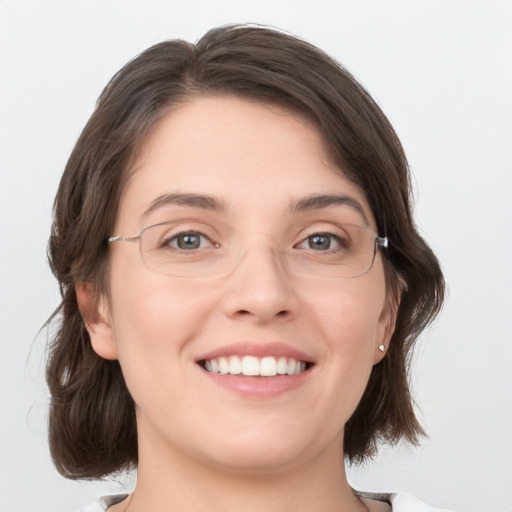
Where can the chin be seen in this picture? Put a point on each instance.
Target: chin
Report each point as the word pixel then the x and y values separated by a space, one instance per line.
pixel 255 462
pixel 262 454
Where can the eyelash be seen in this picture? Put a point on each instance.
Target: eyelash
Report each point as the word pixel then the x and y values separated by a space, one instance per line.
pixel 326 234
pixel 167 241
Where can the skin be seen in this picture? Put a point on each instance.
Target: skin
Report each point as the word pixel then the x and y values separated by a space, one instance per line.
pixel 203 447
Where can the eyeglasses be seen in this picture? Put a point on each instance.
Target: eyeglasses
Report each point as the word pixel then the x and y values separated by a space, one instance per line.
pixel 346 252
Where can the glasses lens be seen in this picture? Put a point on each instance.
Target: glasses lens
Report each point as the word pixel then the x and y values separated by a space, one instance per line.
pixel 347 253
pixel 189 254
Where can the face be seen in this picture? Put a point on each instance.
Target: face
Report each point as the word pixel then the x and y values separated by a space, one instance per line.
pixel 237 177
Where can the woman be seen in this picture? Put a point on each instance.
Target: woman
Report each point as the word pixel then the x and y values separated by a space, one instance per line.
pixel 242 282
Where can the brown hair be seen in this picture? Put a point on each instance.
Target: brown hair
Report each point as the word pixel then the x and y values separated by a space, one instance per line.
pixel 92 426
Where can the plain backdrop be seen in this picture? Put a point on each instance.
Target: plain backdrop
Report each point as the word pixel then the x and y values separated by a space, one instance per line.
pixel 440 69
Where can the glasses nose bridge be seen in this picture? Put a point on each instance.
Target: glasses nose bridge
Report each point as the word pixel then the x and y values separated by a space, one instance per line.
pixel 259 285
pixel 258 250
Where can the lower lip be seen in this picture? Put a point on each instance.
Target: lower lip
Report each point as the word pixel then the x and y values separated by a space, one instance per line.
pixel 258 387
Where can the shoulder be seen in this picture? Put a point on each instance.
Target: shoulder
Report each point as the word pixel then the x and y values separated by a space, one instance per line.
pixel 399 502
pixel 409 503
pixel 103 503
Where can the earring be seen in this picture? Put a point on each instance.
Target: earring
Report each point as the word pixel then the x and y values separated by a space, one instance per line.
pixel 382 348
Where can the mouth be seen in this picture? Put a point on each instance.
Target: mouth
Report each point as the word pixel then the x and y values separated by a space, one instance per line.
pixel 252 366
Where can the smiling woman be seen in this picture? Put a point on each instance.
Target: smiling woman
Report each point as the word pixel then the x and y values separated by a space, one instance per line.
pixel 254 329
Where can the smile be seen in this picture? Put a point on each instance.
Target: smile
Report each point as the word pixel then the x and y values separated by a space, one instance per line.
pixel 255 366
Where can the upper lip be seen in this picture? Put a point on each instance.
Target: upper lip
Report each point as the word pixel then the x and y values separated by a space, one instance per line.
pixel 250 348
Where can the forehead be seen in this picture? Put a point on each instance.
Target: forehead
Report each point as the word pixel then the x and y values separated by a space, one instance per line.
pixel 247 154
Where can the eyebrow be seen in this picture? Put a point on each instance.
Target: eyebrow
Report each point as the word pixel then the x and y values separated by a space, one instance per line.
pixel 205 202
pixel 192 200
pixel 319 201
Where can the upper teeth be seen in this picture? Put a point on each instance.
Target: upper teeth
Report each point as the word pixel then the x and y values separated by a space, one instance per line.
pixel 251 365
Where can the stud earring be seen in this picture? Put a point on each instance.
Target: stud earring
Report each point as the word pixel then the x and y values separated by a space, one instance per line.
pixel 382 348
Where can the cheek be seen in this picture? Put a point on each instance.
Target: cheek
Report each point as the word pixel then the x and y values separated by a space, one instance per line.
pixel 350 311
pixel 347 320
pixel 155 323
pixel 153 316
pixel 343 319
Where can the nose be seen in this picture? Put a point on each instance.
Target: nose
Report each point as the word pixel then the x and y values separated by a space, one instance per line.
pixel 260 289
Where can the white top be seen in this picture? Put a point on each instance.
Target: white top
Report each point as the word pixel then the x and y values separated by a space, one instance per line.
pixel 399 503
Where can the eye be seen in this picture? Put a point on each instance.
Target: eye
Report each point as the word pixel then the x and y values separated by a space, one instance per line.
pixel 322 242
pixel 188 241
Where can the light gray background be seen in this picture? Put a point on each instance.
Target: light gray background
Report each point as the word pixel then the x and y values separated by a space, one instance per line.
pixel 441 70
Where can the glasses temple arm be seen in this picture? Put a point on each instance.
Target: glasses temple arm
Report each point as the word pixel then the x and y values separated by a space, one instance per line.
pixel 133 239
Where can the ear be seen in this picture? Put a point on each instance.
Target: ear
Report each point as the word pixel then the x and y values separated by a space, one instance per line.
pixel 386 327
pixel 96 315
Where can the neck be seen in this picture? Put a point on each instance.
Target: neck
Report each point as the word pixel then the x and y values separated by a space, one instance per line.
pixel 168 481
